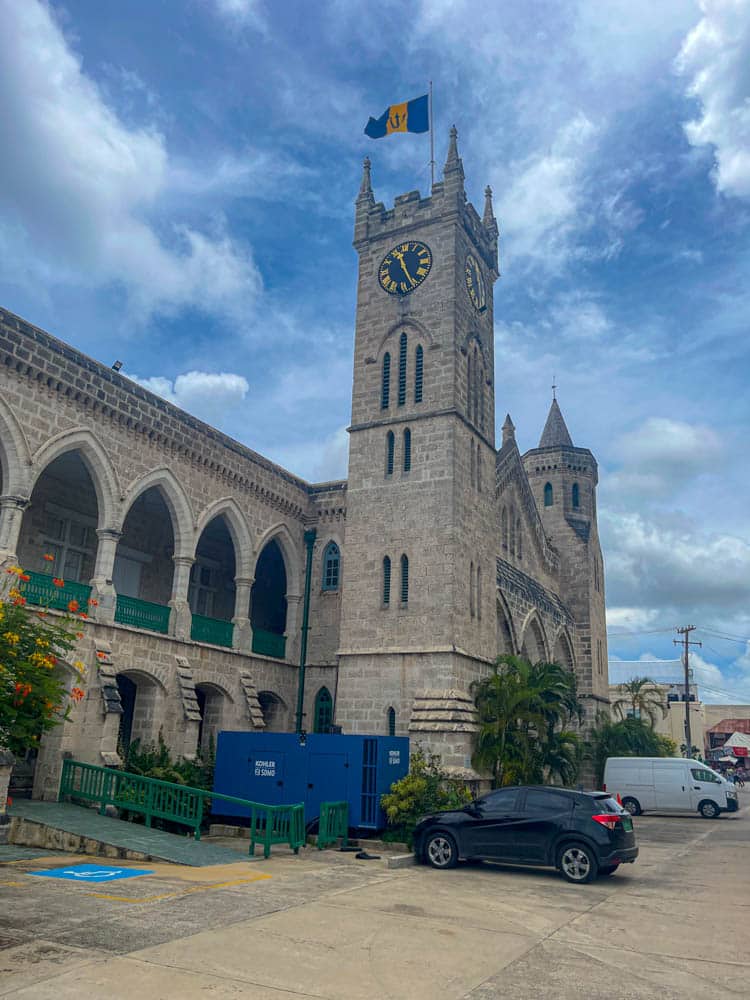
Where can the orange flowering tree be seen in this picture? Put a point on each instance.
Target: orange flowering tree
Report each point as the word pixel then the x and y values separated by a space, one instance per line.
pixel 34 697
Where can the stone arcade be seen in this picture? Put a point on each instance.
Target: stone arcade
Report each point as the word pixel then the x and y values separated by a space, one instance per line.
pixel 437 553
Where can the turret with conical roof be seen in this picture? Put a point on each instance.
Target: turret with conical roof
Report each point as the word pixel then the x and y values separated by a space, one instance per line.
pixel 555 433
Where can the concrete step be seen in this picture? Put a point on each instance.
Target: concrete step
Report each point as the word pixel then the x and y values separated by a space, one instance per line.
pixel 62 826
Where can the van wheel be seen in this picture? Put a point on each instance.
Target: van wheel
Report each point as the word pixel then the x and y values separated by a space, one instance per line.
pixel 632 805
pixel 578 863
pixel 709 810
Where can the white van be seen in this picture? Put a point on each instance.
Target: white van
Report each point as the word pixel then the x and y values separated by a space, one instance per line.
pixel 668 784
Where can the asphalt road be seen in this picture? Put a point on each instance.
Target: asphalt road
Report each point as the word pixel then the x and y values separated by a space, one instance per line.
pixel 325 925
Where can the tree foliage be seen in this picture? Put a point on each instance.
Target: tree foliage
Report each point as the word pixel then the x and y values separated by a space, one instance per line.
pixel 626 738
pixel 524 711
pixel 34 693
pixel 642 697
pixel 425 789
pixel 154 760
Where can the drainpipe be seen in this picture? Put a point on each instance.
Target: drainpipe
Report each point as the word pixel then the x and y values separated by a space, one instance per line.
pixel 309 542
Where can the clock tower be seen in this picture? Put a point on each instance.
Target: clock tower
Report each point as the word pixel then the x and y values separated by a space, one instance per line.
pixel 418 620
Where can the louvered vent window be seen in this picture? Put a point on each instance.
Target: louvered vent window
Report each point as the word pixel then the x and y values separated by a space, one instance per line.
pixel 385 392
pixel 402 370
pixel 418 374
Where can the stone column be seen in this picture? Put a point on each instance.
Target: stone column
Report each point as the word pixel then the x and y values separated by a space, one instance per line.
pixel 243 633
pixel 293 604
pixel 181 619
pixel 102 588
pixel 11 519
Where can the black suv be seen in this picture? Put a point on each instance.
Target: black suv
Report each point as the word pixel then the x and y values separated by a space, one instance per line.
pixel 583 834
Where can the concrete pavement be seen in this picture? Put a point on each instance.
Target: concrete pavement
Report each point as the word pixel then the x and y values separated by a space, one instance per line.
pixel 324 925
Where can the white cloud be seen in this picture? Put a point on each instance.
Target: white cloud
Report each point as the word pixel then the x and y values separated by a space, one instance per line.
pixel 244 13
pixel 78 187
pixel 211 397
pixel 716 55
pixel 578 315
pixel 661 456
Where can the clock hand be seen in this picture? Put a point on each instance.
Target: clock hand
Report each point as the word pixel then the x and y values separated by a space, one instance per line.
pixel 400 258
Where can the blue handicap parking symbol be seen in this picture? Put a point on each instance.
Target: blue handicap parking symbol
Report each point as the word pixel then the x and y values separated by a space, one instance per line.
pixel 92 873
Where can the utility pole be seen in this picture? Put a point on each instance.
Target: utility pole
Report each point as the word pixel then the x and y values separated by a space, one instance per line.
pixel 686 644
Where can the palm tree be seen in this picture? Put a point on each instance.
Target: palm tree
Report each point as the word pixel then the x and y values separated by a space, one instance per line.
pixel 641 697
pixel 522 710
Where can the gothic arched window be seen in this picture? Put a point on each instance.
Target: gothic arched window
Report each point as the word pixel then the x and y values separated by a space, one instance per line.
pixel 407 450
pixel 385 390
pixel 402 370
pixel 331 567
pixel 390 445
pixel 386 580
pixel 418 373
pixel 548 494
pixel 576 495
pixel 323 711
pixel 504 527
pixel 471 589
pixel 479 592
pixel 404 580
pixel 391 721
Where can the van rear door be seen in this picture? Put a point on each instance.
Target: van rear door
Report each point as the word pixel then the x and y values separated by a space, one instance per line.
pixel 671 786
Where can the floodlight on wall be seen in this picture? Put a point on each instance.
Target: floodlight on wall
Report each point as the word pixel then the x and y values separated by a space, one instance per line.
pixel 117 366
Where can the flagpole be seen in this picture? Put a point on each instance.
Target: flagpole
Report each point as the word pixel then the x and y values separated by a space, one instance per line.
pixel 432 144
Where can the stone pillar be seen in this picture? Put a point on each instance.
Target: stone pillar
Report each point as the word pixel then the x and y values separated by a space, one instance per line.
pixel 11 519
pixel 7 760
pixel 243 633
pixel 293 604
pixel 102 588
pixel 181 619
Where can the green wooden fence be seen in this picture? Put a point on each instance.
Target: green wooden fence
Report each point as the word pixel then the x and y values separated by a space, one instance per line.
pixel 334 823
pixel 212 630
pixel 39 589
pixel 178 803
pixel 142 614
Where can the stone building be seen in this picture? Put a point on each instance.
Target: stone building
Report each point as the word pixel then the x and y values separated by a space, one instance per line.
pixel 190 550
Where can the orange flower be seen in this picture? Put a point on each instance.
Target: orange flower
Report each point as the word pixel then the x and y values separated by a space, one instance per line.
pixel 100 654
pixel 83 615
pixel 25 577
pixel 73 605
pixel 19 601
pixel 94 603
pixel 58 582
pixel 77 694
pixel 48 558
pixel 79 635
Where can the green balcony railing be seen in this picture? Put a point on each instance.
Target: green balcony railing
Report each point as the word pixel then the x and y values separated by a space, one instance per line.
pixel 39 589
pixel 268 643
pixel 142 614
pixel 212 630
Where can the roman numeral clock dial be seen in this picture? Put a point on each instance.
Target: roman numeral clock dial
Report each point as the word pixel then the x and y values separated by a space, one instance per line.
pixel 405 267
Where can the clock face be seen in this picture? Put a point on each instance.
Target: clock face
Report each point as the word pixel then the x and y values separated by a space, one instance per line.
pixel 405 267
pixel 475 283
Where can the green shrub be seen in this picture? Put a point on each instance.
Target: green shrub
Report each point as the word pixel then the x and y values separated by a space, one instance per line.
pixel 425 789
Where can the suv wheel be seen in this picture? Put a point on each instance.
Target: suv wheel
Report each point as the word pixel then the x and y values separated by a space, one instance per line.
pixel 709 810
pixel 578 863
pixel 440 850
pixel 632 805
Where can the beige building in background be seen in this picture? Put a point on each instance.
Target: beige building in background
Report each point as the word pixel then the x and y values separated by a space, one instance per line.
pixel 189 549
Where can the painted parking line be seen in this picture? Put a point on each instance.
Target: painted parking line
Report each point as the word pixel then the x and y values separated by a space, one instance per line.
pixel 177 895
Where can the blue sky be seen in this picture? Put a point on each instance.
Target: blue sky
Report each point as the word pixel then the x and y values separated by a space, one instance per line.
pixel 176 191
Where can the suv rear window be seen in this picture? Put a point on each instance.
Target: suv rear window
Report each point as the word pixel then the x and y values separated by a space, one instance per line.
pixel 606 804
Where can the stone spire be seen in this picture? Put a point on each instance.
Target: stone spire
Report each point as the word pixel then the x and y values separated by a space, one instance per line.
pixel 453 171
pixel 555 433
pixel 488 219
pixel 509 430
pixel 365 188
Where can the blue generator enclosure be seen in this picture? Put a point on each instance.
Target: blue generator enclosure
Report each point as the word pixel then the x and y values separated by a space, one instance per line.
pixel 283 768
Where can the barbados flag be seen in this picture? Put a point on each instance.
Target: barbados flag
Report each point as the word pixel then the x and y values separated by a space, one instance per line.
pixel 411 116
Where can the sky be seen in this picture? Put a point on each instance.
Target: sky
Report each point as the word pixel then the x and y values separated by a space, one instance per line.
pixel 177 180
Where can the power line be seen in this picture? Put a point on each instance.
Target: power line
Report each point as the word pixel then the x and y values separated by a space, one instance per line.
pixel 722 635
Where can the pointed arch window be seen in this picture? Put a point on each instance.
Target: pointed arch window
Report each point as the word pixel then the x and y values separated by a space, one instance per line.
pixel 475 387
pixel 323 711
pixel 548 496
pixel 473 464
pixel 402 347
pixel 512 531
pixel 390 446
pixel 479 593
pixel 471 589
pixel 331 567
pixel 386 580
pixel 479 469
pixel 418 373
pixel 385 389
pixel 504 527
pixel 404 580
pixel 576 495
pixel 407 450
pixel 391 721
